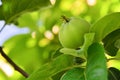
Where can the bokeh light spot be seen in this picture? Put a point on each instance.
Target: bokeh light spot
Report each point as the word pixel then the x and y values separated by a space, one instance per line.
pixel 55 29
pixel 91 2
pixel 49 35
pixel 6 68
pixel 43 42
pixel 52 2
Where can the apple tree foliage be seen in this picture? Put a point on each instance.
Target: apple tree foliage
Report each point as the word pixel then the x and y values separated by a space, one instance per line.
pixel 44 58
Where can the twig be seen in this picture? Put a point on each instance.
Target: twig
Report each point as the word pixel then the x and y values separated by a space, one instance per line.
pixel 113 59
pixel 2 27
pixel 16 67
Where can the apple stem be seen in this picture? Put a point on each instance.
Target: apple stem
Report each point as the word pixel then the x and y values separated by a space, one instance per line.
pixel 65 18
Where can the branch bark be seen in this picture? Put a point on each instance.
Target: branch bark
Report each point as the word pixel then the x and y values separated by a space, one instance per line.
pixel 2 27
pixel 16 67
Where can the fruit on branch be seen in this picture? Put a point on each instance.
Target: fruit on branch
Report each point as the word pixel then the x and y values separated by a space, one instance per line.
pixel 72 32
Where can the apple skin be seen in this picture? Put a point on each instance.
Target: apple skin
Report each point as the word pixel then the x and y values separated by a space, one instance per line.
pixel 71 34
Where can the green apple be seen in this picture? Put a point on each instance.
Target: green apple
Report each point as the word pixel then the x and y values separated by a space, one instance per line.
pixel 71 34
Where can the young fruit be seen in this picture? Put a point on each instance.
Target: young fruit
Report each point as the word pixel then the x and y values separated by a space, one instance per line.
pixel 72 32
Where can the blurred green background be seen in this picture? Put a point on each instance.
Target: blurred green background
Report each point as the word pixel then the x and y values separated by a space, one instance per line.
pixel 37 47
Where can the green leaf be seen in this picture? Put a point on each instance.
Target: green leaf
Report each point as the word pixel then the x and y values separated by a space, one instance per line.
pixel 57 65
pixel 52 17
pixel 112 42
pixel 69 51
pixel 74 74
pixel 11 9
pixel 20 48
pixel 96 68
pixel 113 74
pixel 118 54
pixel 106 25
pixel 29 19
pixel 117 43
pixel 88 40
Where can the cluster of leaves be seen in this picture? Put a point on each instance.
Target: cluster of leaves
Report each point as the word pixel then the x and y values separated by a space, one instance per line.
pixel 87 63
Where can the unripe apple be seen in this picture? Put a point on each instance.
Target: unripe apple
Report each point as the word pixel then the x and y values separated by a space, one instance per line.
pixel 71 34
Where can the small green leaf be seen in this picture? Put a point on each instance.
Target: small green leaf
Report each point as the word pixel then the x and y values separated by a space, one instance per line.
pixel 59 64
pixel 112 42
pixel 88 40
pixel 96 68
pixel 69 51
pixel 106 25
pixel 74 74
pixel 11 9
pixel 113 74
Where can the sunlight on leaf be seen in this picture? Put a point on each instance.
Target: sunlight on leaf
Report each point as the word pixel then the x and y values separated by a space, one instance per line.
pixel 91 2
pixel 115 61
